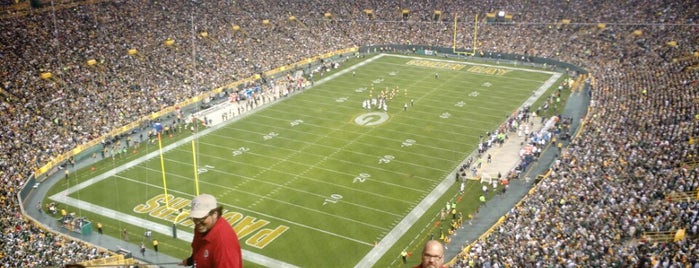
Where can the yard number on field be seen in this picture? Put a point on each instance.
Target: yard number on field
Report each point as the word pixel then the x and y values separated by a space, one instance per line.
pixel 270 135
pixel 408 142
pixel 296 122
pixel 204 169
pixel 386 159
pixel 332 199
pixel 240 151
pixel 361 178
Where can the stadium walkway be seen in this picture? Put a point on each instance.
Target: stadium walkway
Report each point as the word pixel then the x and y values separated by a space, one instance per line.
pixel 105 241
pixel 504 160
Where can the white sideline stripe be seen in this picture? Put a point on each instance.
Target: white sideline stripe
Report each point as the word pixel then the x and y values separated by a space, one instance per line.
pixel 248 210
pixel 162 229
pixel 284 187
pixel 325 169
pixel 542 89
pixel 351 68
pixel 277 218
pixel 401 228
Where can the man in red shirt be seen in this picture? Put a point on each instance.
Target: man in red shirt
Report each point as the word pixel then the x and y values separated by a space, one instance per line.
pixel 215 243
pixel 432 255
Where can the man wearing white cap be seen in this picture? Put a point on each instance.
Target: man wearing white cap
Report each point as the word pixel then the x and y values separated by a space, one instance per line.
pixel 215 243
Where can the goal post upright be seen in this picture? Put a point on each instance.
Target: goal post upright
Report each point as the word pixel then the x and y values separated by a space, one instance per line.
pixel 475 36
pixel 196 170
pixel 162 170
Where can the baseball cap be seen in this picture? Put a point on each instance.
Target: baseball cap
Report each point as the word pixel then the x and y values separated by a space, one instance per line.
pixel 202 205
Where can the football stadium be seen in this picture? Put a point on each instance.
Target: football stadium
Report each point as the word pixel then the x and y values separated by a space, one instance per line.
pixel 350 133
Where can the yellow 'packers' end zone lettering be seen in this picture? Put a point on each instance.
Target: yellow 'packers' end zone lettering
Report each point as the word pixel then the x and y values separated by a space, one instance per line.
pixel 244 225
pixel 488 70
pixel 436 64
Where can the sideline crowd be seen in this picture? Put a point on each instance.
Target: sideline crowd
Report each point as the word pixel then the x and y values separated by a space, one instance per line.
pixel 608 187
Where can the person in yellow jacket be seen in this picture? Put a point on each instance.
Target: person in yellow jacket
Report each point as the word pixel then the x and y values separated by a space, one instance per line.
pixel 155 246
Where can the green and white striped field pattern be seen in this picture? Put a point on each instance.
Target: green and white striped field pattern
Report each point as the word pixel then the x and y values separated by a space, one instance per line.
pixel 316 179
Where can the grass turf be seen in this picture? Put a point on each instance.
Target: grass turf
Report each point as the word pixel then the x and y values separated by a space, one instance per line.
pixel 313 170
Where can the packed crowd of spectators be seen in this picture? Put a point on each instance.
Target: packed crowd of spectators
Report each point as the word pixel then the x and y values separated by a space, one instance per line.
pixel 607 188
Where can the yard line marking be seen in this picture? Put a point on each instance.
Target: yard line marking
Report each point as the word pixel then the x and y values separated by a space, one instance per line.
pixel 159 228
pixel 340 110
pixel 340 149
pixel 260 196
pixel 215 128
pixel 250 256
pixel 279 186
pixel 330 170
pixel 63 197
pixel 400 229
pixel 397 149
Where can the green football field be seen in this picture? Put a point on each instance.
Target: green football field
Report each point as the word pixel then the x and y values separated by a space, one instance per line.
pixel 316 179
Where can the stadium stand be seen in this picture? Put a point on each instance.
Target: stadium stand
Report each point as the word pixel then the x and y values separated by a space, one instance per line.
pixel 607 189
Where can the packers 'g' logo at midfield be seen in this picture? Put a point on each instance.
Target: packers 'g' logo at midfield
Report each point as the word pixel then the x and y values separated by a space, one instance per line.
pixel 371 119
